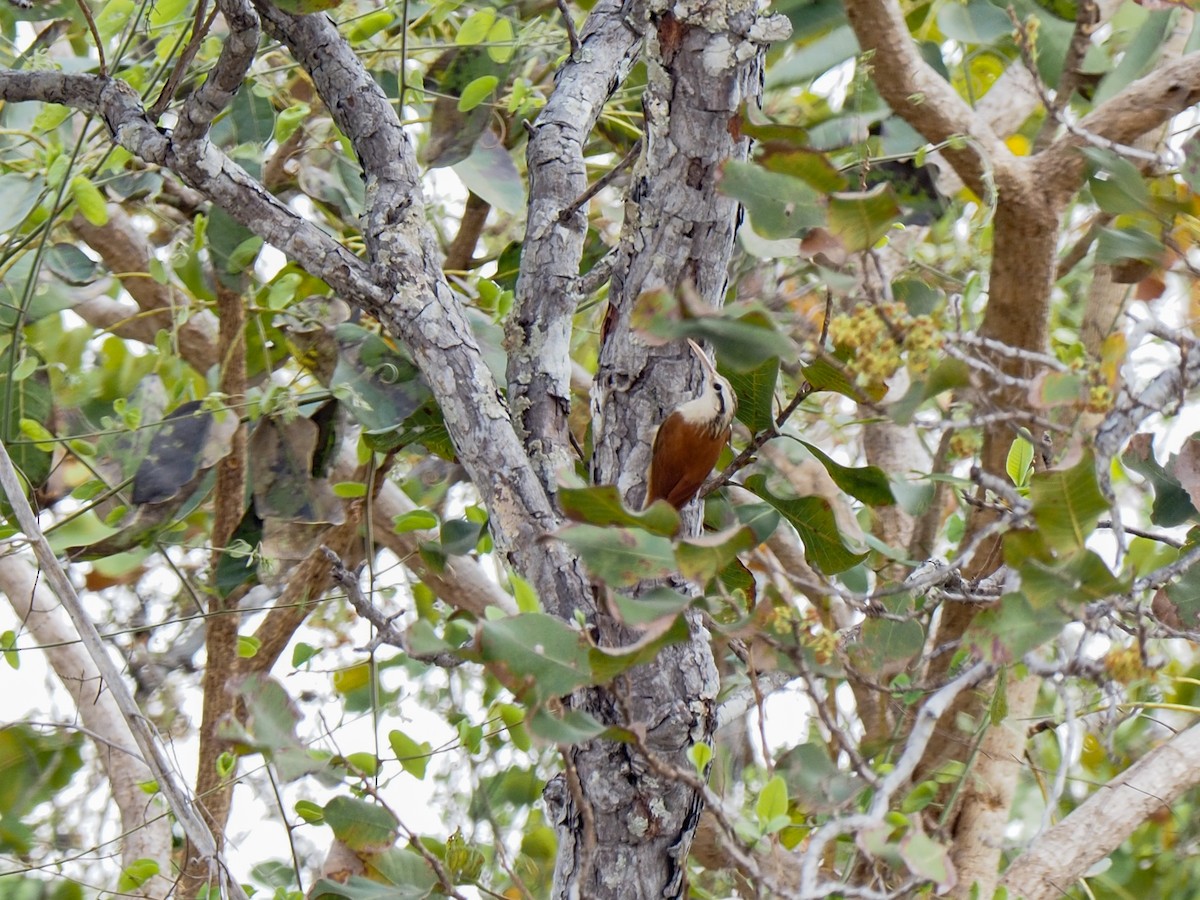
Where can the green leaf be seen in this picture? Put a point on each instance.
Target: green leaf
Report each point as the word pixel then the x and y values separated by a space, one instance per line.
pixel 26 367
pixel 35 767
pixel 884 642
pixel 823 375
pixel 700 755
pixel 414 520
pixel 8 643
pixel 248 646
pixel 1007 631
pixel 237 565
pixel 602 505
pixel 702 558
pixel 363 764
pixel 772 801
pixel 755 389
pixel 82 530
pixel 90 200
pixel 413 756
pixel 813 520
pixel 1138 56
pixel 41 436
pixel 743 341
pixel 136 874
pixel 302 653
pixel 226 764
pixel 919 797
pixel 1172 504
pixel 831 48
pixel 1081 577
pixel 360 825
pixel 25 398
pixel 780 206
pixel 232 245
pixel 21 197
pixel 975 22
pixel 378 383
pixel 489 172
pixel 1123 189
pixel 349 489
pixel 476 92
pixel 810 166
pixel 926 858
pixel 860 219
pixel 621 557
pixel 574 726
pixel 608 662
pixel 459 536
pixel 867 483
pixel 406 873
pixel 535 655
pixel 475 29
pixel 652 606
pixel 500 39
pixel 270 727
pixel 369 25
pixel 1119 244
pixel 310 812
pixel 70 264
pixel 1019 464
pixel 1067 503
pixel 998 708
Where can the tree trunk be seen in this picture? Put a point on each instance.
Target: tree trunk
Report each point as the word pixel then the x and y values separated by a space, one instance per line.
pixel 625 821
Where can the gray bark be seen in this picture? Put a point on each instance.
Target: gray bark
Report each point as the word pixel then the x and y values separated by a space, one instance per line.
pixel 627 813
pixel 625 818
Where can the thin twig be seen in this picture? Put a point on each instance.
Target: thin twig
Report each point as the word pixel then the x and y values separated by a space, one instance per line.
pixel 602 182
pixel 385 630
pixel 91 23
pixel 200 30
pixel 1142 533
pixel 569 23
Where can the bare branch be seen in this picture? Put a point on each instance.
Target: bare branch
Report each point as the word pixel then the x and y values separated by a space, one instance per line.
pixel 1108 817
pixel 143 734
pixel 538 330
pixel 1144 105
pixel 385 630
pixel 898 778
pixel 411 297
pixel 147 832
pixel 222 84
pixel 921 96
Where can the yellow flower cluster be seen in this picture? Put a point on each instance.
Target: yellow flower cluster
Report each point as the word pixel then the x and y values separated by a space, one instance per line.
pixel 880 339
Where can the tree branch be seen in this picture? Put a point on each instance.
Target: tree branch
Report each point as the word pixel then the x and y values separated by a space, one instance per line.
pixel 147 833
pixel 222 84
pixel 144 735
pixel 538 331
pixel 921 96
pixel 424 313
pixel 125 252
pixel 1108 817
pixel 1142 106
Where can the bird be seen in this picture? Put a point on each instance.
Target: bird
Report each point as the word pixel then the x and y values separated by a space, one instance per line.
pixel 690 439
